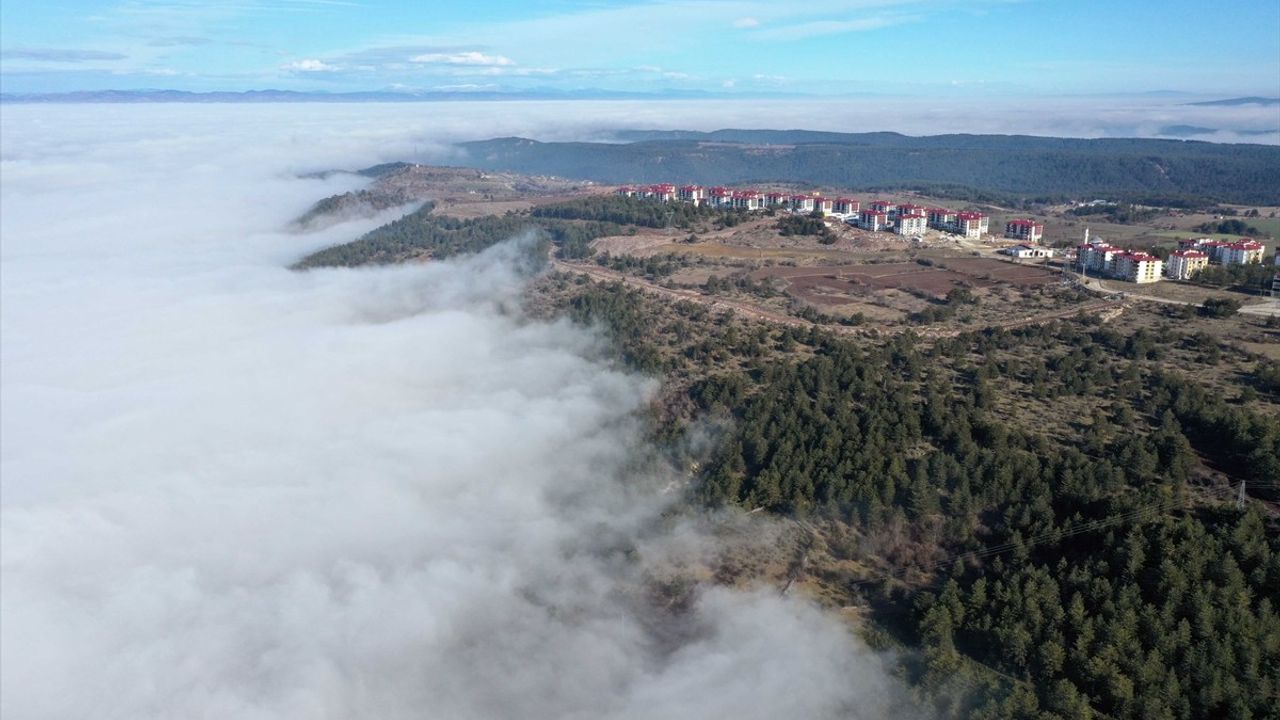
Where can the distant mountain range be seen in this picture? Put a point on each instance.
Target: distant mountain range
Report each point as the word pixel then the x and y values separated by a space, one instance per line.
pixel 966 166
pixel 1232 102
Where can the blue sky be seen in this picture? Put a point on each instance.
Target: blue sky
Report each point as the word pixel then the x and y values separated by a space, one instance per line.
pixel 895 47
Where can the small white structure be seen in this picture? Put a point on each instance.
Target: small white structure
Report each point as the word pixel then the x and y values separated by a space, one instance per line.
pixel 1028 252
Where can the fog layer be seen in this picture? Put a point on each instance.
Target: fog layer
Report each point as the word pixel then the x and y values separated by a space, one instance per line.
pixel 235 491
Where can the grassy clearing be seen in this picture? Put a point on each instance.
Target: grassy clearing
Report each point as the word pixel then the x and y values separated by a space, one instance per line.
pixel 717 250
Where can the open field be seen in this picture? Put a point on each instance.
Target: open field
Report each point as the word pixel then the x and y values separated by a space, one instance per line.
pixel 717 250
pixel 1175 290
pixel 840 284
pixel 1002 271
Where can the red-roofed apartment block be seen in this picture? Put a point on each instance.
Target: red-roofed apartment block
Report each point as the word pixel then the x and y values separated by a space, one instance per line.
pixel 972 224
pixel 872 220
pixel 1182 264
pixel 1097 257
pixel 1245 252
pixel 942 218
pixel 912 223
pixel 847 206
pixel 1024 230
pixel 695 194
pixel 1138 267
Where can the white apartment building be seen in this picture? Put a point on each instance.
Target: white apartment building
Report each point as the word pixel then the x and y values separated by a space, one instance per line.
pixel 1182 264
pixel 1138 267
pixel 913 224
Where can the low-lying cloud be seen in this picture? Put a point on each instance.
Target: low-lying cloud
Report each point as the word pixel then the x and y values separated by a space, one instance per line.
pixel 235 491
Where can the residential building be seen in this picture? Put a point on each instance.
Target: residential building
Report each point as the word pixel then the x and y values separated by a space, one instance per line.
pixel 775 199
pixel 802 203
pixel 911 224
pixel 625 191
pixel 847 206
pixel 824 205
pixel 942 218
pixel 747 200
pixel 720 197
pixel 910 209
pixel 695 194
pixel 664 192
pixel 1245 252
pixel 972 224
pixel 1183 264
pixel 872 220
pixel 1097 256
pixel 1028 231
pixel 884 206
pixel 1137 267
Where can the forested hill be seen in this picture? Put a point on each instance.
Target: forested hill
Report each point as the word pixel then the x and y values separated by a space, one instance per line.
pixel 1021 166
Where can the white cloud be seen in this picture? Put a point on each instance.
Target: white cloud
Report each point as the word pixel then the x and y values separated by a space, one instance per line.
pixel 746 22
pixel 463 58
pixel 232 490
pixel 310 65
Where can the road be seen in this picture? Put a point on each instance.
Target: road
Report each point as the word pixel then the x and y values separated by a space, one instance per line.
pixel 1267 308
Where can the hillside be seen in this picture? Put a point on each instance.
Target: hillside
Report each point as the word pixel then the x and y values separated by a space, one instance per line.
pixel 1020 166
pixel 1027 492
pixel 1044 516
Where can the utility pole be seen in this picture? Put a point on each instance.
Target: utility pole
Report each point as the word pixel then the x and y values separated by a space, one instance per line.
pixel 1240 497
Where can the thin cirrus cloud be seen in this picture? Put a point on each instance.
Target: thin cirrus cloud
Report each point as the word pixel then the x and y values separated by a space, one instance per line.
pixel 179 41
pixel 60 55
pixel 815 28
